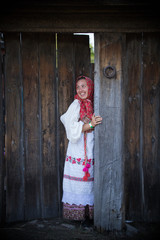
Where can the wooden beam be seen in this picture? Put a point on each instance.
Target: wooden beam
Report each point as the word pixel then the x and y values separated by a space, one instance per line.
pixel 78 6
pixel 78 23
pixel 80 16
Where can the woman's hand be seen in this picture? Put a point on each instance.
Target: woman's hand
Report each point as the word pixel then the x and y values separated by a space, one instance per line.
pixel 96 120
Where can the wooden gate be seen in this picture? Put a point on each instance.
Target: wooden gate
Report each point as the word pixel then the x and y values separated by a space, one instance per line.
pixel 40 71
pixel 39 87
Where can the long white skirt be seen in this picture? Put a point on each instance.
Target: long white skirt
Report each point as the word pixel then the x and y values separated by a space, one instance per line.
pixel 77 192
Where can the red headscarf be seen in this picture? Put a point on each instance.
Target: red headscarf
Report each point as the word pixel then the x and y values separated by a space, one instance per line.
pixel 86 105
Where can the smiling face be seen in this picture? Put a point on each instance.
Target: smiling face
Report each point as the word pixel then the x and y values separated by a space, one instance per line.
pixel 82 89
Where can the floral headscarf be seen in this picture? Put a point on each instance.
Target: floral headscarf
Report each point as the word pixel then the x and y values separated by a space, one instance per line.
pixel 86 105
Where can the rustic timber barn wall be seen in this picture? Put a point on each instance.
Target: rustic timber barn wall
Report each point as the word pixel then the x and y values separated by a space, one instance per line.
pixel 35 98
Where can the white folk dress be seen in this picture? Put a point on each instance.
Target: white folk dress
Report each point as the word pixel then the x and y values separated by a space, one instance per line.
pixel 76 192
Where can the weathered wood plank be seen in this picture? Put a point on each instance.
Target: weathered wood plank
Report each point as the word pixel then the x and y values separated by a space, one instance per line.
pixel 2 165
pixel 133 144
pixel 47 76
pixel 151 126
pixel 66 82
pixel 32 117
pixel 14 130
pixel 108 184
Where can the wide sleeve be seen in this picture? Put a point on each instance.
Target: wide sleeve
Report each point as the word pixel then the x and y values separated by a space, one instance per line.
pixel 70 120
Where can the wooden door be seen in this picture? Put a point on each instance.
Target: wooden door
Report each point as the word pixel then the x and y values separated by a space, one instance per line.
pixel 127 144
pixel 39 88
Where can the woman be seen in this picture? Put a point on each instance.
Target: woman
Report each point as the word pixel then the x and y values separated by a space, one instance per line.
pixel 79 122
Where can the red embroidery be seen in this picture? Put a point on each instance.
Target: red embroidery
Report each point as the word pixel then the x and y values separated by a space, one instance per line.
pixel 79 161
pixel 78 179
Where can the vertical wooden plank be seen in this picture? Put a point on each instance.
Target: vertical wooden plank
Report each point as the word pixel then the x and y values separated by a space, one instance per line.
pixel 47 74
pixel 108 184
pixel 82 55
pixel 14 130
pixel 133 124
pixel 2 169
pixel 151 125
pixel 32 136
pixel 66 82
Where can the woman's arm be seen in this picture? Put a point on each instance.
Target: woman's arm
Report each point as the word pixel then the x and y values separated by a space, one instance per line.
pixel 70 120
pixel 96 120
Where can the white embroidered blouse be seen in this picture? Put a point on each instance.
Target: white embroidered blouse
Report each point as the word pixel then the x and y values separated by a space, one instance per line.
pixel 76 191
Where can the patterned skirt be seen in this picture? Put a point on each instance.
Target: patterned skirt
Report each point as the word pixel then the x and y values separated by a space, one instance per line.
pixel 77 212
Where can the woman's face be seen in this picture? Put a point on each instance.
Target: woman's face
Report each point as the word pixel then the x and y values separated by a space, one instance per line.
pixel 82 89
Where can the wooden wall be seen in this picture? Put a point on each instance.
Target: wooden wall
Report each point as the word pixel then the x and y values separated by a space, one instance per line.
pixel 39 88
pixel 36 94
pixel 127 167
pixel 142 127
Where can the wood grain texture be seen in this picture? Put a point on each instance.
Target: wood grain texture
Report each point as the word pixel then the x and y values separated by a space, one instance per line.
pixel 32 137
pixel 2 144
pixel 35 138
pixel 151 126
pixel 109 146
pixel 133 128
pixel 14 130
pixel 47 82
pixel 142 176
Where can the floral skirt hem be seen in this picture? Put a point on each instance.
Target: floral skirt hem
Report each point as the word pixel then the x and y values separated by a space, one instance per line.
pixel 76 212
